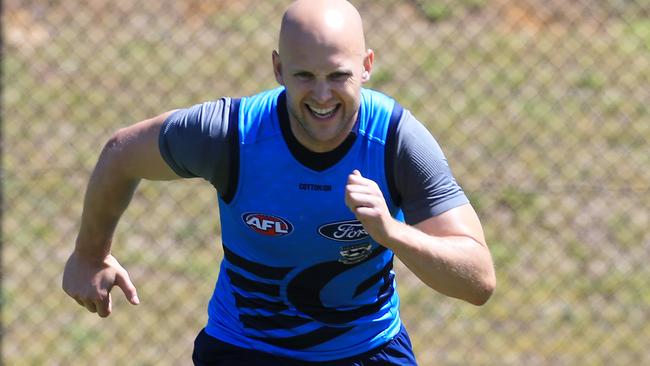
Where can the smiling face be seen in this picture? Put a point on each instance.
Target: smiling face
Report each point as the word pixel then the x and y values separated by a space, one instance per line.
pixel 322 63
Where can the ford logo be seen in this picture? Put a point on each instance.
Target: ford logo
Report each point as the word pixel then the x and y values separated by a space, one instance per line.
pixel 350 230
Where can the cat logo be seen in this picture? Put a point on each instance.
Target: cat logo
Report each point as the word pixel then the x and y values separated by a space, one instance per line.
pixel 267 224
pixel 354 253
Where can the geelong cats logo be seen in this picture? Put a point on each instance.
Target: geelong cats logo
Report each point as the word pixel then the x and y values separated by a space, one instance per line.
pixel 354 253
pixel 350 230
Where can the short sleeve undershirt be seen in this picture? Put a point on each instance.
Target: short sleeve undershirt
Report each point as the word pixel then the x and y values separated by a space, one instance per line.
pixel 423 179
pixel 195 142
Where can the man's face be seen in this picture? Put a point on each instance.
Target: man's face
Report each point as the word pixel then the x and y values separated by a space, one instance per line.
pixel 323 87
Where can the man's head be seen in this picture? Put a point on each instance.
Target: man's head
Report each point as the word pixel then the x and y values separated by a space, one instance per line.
pixel 322 61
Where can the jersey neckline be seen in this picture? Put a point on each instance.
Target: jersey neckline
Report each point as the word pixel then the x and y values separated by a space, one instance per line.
pixel 310 159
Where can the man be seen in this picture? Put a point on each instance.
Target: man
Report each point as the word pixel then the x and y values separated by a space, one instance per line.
pixel 311 177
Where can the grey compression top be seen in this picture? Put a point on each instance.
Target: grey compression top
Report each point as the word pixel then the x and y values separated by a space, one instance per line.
pixel 198 142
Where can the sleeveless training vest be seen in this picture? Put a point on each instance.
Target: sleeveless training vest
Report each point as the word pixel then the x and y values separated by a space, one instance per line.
pixel 300 276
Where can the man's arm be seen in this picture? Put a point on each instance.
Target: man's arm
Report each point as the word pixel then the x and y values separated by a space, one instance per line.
pixel 129 155
pixel 447 252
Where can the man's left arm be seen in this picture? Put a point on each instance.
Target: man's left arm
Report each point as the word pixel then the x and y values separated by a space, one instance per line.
pixel 448 252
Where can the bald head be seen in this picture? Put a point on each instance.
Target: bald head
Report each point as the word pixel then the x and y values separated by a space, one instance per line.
pixel 322 62
pixel 322 23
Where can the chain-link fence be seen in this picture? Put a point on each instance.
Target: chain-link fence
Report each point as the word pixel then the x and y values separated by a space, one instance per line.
pixel 542 108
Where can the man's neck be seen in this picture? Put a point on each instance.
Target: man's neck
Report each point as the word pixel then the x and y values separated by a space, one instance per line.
pixel 307 156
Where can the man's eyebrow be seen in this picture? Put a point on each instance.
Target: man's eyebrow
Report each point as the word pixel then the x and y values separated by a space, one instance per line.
pixel 340 72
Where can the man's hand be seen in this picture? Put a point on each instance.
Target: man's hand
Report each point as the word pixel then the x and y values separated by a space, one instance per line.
pixel 364 198
pixel 447 252
pixel 90 283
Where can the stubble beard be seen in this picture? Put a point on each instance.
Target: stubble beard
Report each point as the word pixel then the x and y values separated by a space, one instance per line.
pixel 312 136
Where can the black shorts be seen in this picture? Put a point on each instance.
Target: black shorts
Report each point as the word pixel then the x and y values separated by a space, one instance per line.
pixel 209 351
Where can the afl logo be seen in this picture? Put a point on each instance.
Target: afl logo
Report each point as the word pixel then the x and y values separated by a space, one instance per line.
pixel 350 230
pixel 267 224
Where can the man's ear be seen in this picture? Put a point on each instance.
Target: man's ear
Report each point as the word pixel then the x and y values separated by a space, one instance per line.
pixel 277 67
pixel 367 65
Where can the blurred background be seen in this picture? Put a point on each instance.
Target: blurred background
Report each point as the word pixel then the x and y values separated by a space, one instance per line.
pixel 542 108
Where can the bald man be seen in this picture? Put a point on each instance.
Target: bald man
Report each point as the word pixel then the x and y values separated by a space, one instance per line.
pixel 320 184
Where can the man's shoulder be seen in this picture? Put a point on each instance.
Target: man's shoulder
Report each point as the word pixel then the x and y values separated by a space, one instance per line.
pixel 264 97
pixel 376 103
pixel 258 114
pixel 376 96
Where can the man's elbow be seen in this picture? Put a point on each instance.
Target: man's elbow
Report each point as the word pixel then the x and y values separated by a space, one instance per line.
pixel 483 290
pixel 115 147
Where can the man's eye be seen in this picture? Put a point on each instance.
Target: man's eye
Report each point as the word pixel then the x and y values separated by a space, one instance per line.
pixel 340 76
pixel 304 76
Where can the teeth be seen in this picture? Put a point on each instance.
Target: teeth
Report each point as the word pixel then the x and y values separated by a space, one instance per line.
pixel 322 112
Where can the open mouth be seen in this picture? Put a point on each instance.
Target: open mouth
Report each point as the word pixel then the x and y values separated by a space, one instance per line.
pixel 323 113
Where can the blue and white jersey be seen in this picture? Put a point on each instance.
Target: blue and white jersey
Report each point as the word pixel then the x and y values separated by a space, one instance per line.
pixel 301 278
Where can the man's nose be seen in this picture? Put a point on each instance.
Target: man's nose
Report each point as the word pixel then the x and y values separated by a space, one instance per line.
pixel 322 92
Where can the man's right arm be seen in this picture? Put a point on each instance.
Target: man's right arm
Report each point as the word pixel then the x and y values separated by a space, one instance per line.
pixel 131 154
pixel 192 142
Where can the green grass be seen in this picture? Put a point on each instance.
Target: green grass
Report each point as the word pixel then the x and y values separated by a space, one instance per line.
pixel 548 134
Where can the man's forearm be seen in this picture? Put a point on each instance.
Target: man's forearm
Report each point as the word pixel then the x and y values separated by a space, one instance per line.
pixel 456 266
pixel 108 194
